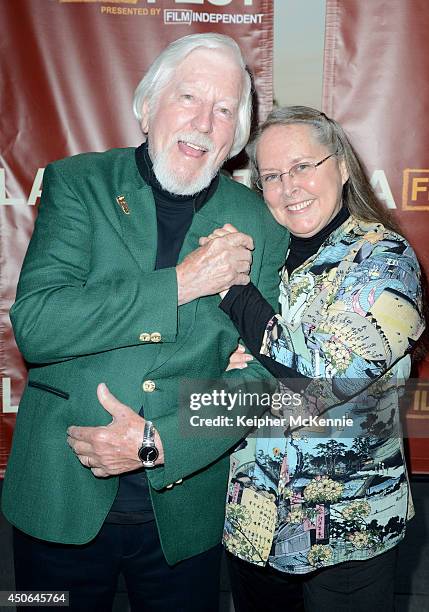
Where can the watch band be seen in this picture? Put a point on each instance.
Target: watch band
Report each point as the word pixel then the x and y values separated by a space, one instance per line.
pixel 148 432
pixel 148 453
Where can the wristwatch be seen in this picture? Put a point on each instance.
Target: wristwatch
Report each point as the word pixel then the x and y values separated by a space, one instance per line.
pixel 148 453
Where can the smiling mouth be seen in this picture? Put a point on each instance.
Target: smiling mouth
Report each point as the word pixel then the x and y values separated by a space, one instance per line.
pixel 193 146
pixel 300 205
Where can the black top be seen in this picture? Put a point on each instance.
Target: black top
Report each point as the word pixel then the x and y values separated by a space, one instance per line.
pixel 174 215
pixel 250 312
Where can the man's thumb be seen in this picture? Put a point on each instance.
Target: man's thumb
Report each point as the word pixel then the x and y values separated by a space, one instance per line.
pixel 109 401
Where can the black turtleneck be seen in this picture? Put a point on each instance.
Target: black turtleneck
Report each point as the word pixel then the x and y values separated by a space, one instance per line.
pixel 173 212
pixel 174 215
pixel 250 312
pixel 300 249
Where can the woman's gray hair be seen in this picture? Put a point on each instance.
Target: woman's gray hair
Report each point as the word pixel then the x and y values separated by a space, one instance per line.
pixel 358 195
pixel 162 70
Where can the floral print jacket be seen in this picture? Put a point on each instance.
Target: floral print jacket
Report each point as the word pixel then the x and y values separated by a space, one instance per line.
pixel 320 495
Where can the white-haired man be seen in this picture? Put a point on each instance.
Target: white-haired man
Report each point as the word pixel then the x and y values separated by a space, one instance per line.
pixel 115 288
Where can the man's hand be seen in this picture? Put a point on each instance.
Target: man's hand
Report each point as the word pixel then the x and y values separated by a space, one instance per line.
pixel 112 449
pixel 218 233
pixel 221 262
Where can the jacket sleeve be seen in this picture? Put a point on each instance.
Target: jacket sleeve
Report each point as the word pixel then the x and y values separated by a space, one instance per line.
pixel 351 339
pixel 62 310
pixel 188 454
pixel 250 312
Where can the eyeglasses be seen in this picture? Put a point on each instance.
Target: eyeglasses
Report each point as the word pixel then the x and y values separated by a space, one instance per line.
pixel 303 171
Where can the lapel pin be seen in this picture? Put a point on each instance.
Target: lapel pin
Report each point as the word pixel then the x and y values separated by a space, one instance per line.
pixel 123 204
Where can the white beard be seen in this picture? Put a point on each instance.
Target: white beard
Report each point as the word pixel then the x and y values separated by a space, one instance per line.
pixel 180 184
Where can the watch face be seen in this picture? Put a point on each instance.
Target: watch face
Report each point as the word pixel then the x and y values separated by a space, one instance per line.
pixel 148 454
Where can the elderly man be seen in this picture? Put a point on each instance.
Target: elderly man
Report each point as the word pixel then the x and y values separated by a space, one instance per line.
pixel 115 288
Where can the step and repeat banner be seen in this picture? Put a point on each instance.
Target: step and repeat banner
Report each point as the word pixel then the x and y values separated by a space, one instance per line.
pixel 68 70
pixel 376 85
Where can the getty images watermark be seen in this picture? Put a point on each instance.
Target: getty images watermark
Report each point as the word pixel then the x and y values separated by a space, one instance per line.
pixel 340 408
pixel 276 402
pixel 265 408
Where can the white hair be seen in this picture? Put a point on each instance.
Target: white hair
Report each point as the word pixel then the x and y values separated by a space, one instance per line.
pixel 162 70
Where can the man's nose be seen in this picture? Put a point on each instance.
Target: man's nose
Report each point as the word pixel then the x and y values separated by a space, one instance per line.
pixel 203 119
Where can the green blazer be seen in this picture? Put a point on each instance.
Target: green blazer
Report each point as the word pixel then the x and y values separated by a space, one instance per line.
pixel 90 308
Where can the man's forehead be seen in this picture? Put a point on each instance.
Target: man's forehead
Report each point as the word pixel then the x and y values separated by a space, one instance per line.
pixel 229 92
pixel 205 67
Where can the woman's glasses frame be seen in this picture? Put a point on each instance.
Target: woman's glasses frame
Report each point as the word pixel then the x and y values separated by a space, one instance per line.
pixel 303 170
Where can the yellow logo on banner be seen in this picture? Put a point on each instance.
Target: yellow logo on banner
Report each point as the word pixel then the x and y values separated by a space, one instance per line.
pixel 419 408
pixel 104 1
pixel 415 190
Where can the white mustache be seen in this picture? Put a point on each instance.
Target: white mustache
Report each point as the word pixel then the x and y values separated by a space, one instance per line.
pixel 195 138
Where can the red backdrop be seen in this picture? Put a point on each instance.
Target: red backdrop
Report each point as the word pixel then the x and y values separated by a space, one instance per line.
pixel 68 70
pixel 376 85
pixel 68 73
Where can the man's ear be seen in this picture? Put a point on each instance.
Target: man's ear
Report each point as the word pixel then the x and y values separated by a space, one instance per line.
pixel 145 117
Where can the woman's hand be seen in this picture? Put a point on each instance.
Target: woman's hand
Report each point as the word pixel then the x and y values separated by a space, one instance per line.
pixel 218 233
pixel 238 359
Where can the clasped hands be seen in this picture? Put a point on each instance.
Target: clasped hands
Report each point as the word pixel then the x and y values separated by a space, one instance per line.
pixel 223 259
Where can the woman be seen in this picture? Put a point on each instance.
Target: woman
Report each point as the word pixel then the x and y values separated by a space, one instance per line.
pixel 323 508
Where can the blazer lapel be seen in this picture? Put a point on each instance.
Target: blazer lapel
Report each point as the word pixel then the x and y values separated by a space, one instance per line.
pixel 137 215
pixel 136 211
